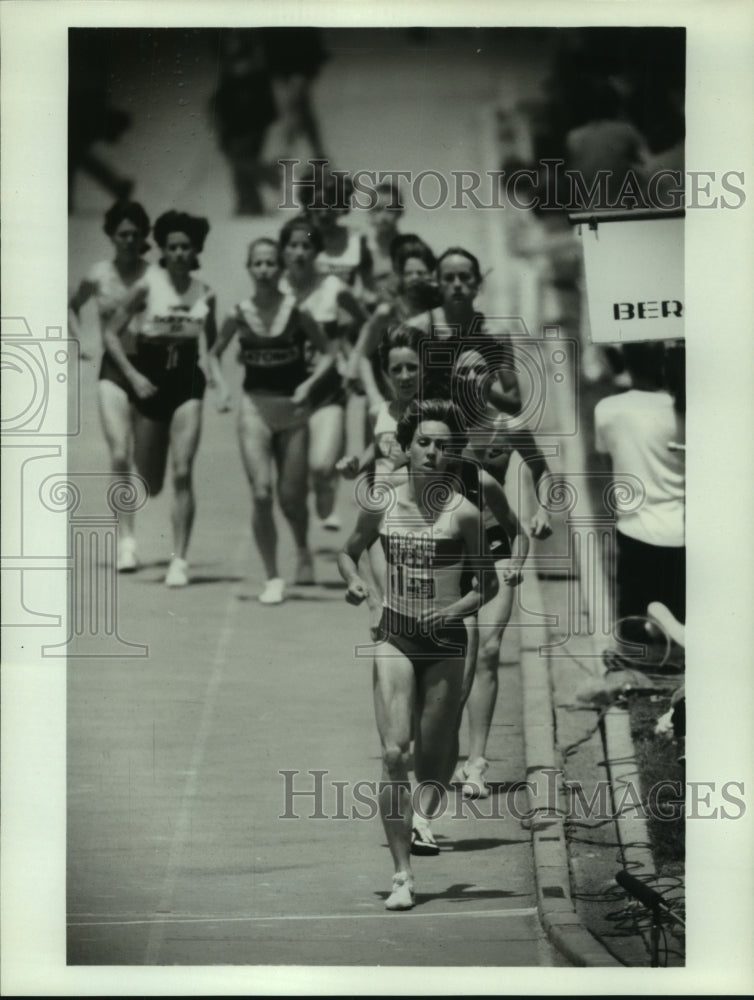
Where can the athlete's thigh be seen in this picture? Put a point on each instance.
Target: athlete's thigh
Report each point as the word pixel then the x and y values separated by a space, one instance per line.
pixel 185 433
pixel 438 698
pixel 151 441
pixel 394 690
pixel 290 449
pixel 327 426
pixel 116 416
pixel 255 440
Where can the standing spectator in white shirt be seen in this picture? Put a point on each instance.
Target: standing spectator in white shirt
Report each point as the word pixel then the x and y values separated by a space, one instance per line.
pixel 634 428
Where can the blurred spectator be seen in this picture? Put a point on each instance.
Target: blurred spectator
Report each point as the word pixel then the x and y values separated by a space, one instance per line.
pixel 91 116
pixel 607 142
pixel 265 77
pixel 634 429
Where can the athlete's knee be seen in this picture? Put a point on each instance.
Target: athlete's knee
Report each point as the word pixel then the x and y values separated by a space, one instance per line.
pixel 323 474
pixel 120 459
pixel 182 479
pixel 292 503
pixel 488 658
pixel 261 494
pixel 395 759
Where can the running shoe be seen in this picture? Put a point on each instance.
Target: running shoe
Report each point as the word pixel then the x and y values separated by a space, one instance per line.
pixel 305 571
pixel 332 523
pixel 402 896
pixel 127 560
pixel 274 591
pixel 177 575
pixel 422 840
pixel 471 778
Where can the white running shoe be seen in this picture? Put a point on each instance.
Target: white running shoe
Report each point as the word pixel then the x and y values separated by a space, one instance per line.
pixel 274 591
pixel 422 838
pixel 177 575
pixel 473 785
pixel 402 896
pixel 332 523
pixel 127 560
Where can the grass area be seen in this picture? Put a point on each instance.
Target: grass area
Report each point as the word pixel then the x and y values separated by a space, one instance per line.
pixel 657 761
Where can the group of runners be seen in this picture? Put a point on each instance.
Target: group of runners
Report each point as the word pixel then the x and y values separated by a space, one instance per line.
pixel 437 550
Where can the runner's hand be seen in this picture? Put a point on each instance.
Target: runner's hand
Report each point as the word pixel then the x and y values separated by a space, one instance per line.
pixel 511 576
pixel 431 620
pixel 300 394
pixel 143 388
pixel 540 526
pixel 348 466
pixel 223 400
pixel 357 592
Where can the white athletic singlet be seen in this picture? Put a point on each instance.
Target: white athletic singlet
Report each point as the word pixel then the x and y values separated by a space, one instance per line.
pixel 110 290
pixel 171 315
pixel 345 265
pixel 424 564
pixel 321 302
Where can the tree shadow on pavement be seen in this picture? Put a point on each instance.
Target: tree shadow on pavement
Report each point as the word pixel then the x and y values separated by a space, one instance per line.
pixel 479 843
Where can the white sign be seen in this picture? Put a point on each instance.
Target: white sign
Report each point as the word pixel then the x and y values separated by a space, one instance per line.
pixel 634 279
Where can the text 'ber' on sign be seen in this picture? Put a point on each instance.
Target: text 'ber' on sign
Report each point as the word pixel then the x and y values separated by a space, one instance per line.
pixel 633 263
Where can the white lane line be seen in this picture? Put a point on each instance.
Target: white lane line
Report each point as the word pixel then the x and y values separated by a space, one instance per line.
pixel 528 911
pixel 183 824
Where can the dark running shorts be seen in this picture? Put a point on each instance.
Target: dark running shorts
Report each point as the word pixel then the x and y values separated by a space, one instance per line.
pixel 423 648
pixel 329 391
pixel 175 371
pixel 110 372
pixel 500 548
pixel 498 542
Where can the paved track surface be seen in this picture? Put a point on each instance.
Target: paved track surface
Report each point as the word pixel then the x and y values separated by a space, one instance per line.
pixel 176 850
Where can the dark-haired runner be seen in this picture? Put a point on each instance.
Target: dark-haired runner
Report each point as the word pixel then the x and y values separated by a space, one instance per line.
pixel 429 535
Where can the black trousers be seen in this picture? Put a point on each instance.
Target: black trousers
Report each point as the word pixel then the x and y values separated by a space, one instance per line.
pixel 648 573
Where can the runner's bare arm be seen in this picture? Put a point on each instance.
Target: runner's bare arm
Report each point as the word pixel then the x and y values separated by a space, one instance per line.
pixel 368 340
pixel 210 323
pixel 226 334
pixel 326 351
pixel 215 377
pixel 532 455
pixel 364 535
pixel 76 302
pixel 111 338
pixel 494 497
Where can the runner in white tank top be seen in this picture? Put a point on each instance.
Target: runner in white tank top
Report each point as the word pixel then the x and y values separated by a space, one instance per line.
pixel 334 306
pixel 174 315
pixel 109 283
pixel 430 533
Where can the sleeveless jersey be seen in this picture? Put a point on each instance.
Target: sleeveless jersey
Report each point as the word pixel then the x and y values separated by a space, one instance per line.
pixel 321 302
pixel 345 265
pixel 275 359
pixel 110 290
pixel 172 316
pixel 446 343
pixel 424 564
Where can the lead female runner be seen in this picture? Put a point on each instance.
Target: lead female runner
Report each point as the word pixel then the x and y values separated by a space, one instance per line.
pixel 429 534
